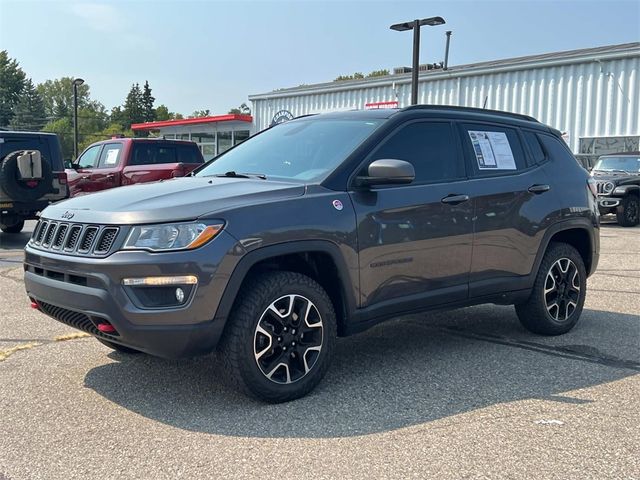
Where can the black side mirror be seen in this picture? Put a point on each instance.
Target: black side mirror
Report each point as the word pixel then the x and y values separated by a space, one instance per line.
pixel 70 164
pixel 388 172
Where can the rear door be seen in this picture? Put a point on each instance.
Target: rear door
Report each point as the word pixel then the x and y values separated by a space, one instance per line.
pixel 79 178
pixel 415 240
pixel 150 161
pixel 511 206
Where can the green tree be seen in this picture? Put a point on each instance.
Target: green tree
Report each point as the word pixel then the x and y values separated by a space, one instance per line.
pixel 355 76
pixel 57 96
pixel 133 107
pixel 148 112
pixel 91 124
pixel 12 81
pixel 163 114
pixel 378 73
pixel 200 113
pixel 242 109
pixel 117 116
pixel 28 112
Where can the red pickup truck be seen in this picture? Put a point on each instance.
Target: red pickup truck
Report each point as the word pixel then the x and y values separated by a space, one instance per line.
pixel 125 161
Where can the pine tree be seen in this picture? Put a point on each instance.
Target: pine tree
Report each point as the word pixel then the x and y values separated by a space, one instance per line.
pixel 12 80
pixel 133 108
pixel 148 111
pixel 29 112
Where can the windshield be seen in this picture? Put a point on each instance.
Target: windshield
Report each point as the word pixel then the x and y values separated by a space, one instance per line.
pixel 303 150
pixel 627 164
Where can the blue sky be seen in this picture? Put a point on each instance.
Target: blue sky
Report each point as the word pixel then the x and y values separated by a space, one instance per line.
pixel 213 54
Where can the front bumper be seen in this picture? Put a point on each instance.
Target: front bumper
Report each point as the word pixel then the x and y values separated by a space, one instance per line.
pixel 83 292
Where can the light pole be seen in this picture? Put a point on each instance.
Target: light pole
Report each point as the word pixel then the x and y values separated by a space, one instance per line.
pixel 76 83
pixel 415 26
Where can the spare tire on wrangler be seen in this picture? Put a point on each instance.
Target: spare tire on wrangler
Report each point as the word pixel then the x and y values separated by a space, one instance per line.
pixel 21 190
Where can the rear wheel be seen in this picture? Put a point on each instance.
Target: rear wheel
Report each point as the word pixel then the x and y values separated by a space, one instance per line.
pixel 280 337
pixel 628 213
pixel 558 294
pixel 118 347
pixel 13 227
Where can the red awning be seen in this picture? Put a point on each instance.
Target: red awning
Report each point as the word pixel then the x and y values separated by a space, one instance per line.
pixel 231 117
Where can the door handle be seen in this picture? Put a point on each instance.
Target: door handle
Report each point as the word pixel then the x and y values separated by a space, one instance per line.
pixel 111 176
pixel 455 199
pixel 85 177
pixel 539 188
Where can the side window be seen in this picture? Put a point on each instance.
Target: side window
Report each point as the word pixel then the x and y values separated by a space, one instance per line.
pixel 429 146
pixel 557 149
pixel 188 154
pixel 492 149
pixel 150 154
pixel 89 159
pixel 110 156
pixel 537 154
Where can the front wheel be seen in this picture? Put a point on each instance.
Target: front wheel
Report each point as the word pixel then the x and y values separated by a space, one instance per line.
pixel 13 227
pixel 628 213
pixel 280 337
pixel 558 294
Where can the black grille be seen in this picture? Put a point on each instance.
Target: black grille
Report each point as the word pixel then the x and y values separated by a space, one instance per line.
pixel 60 234
pixel 74 235
pixel 74 319
pixel 74 239
pixel 48 236
pixel 107 237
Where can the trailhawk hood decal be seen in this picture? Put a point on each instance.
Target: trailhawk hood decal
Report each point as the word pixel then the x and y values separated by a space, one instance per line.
pixel 169 201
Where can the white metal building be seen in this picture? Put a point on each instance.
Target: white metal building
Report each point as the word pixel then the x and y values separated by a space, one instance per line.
pixel 593 95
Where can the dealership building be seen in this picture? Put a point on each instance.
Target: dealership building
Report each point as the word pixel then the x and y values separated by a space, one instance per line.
pixel 592 95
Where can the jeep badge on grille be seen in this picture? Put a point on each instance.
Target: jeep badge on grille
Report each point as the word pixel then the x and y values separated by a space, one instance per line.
pixel 68 215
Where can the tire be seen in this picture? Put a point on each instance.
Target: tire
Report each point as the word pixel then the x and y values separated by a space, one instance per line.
pixel 18 190
pixel 265 332
pixel 628 213
pixel 537 314
pixel 118 347
pixel 13 228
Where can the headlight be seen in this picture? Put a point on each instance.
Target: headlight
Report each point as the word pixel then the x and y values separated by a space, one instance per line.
pixel 170 236
pixel 607 187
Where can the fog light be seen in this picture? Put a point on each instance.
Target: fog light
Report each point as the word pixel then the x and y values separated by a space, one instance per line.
pixel 179 295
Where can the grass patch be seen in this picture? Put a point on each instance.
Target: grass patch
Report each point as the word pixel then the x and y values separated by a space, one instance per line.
pixel 4 354
pixel 71 336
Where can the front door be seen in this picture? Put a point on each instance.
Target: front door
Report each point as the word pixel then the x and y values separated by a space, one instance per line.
pixel 415 240
pixel 79 178
pixel 107 173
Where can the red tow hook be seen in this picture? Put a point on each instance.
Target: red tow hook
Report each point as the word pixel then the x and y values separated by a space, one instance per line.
pixel 34 304
pixel 106 328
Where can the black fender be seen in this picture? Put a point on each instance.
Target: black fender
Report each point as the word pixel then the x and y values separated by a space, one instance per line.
pixel 581 223
pixel 624 190
pixel 264 253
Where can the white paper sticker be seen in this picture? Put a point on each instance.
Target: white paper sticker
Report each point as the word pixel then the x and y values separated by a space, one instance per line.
pixel 112 156
pixel 492 150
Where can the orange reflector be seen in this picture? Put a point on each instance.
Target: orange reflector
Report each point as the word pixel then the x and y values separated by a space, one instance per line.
pixel 206 235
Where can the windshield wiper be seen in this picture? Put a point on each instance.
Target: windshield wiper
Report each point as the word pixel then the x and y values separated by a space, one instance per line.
pixel 611 170
pixel 233 174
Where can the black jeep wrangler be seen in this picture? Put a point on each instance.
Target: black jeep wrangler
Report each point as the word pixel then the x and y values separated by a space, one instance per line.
pixel 320 227
pixel 31 176
pixel 618 180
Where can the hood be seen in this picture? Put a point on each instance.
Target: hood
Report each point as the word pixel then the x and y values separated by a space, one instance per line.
pixel 613 177
pixel 180 199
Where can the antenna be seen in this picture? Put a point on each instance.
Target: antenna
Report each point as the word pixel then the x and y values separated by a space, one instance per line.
pixel 484 105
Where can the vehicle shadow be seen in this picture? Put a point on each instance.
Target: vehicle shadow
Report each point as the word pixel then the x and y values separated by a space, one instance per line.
pixel 14 241
pixel 406 372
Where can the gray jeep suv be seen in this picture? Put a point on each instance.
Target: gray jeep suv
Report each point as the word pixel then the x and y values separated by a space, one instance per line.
pixel 321 227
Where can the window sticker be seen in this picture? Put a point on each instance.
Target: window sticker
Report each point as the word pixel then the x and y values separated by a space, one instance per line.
pixel 112 156
pixel 492 150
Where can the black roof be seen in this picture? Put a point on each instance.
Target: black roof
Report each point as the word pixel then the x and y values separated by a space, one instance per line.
pixel 5 133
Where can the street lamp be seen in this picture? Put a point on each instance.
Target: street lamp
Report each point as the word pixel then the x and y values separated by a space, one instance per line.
pixel 415 26
pixel 76 83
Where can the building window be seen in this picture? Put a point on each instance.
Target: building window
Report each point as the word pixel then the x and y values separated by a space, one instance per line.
pixel 169 136
pixel 240 136
pixel 183 136
pixel 203 137
pixel 208 151
pixel 224 141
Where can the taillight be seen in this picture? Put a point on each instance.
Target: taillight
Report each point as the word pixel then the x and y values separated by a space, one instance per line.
pixel 178 172
pixel 593 186
pixel 62 177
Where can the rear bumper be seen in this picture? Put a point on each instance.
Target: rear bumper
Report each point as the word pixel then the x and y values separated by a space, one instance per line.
pixel 83 293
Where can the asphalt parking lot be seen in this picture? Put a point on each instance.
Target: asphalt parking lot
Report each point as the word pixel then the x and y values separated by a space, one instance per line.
pixel 462 394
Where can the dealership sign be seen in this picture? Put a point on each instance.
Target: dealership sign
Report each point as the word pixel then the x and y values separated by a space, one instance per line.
pixel 281 117
pixel 379 105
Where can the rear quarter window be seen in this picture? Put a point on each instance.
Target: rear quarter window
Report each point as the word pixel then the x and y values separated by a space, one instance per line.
pixel 189 154
pixel 148 153
pixel 556 149
pixel 537 154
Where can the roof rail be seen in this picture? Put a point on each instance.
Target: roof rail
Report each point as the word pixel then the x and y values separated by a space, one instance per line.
pixel 470 109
